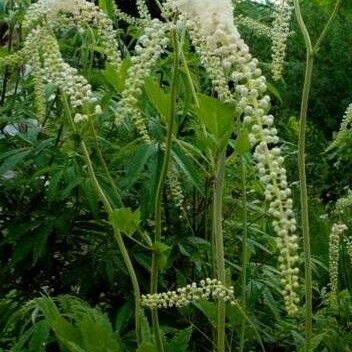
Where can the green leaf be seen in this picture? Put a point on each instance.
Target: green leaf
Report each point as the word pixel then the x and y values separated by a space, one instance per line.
pixel 40 336
pixel 146 347
pixel 117 78
pixel 274 91
pixel 108 7
pixel 97 333
pixel 242 145
pixel 186 164
pixel 126 220
pixel 40 240
pixel 12 161
pixel 163 251
pixel 180 341
pixel 217 117
pixel 209 309
pixel 159 99
pixel 145 329
pixel 137 164
pixel 124 316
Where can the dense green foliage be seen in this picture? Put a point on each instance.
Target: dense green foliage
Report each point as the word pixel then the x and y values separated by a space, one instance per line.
pixel 64 285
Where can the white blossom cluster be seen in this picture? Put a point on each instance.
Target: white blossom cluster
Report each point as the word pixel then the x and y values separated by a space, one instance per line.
pixel 280 33
pixel 150 47
pixel 207 289
pixel 143 10
pixel 43 53
pixel 125 16
pixel 334 254
pixel 62 14
pixel 343 203
pixel 217 36
pixel 254 25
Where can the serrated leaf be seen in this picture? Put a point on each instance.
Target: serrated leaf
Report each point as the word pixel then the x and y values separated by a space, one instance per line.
pixel 126 220
pixel 116 78
pixel 187 166
pixel 180 341
pixel 40 336
pixel 159 99
pixel 12 161
pixel 209 309
pixel 217 117
pixel 138 163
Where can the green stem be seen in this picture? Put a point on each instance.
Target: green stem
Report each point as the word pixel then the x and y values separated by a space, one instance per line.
pixel 245 254
pixel 303 177
pixel 310 54
pixel 103 163
pixel 219 244
pixel 327 26
pixel 117 233
pixel 159 193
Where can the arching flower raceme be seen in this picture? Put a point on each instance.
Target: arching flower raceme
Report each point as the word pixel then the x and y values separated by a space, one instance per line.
pixel 254 25
pixel 207 289
pixel 280 33
pixel 217 37
pixel 62 14
pixel 334 254
pixel 43 53
pixel 148 50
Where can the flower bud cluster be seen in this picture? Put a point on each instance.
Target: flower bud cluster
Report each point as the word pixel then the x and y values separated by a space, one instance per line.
pixel 197 15
pixel 62 14
pixel 39 87
pixel 207 289
pixel 125 16
pixel 41 45
pixel 209 60
pixel 143 10
pixel 280 33
pixel 219 36
pixel 255 26
pixel 176 189
pixel 343 203
pixel 334 254
pixel 148 50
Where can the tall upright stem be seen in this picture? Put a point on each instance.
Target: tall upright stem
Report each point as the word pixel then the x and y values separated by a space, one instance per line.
pixel 117 234
pixel 245 254
pixel 310 54
pixel 219 244
pixel 303 177
pixel 159 193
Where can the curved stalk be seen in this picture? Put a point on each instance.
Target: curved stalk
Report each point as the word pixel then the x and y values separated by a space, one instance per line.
pixel 327 26
pixel 117 234
pixel 218 188
pixel 303 177
pixel 159 193
pixel 310 54
pixel 103 163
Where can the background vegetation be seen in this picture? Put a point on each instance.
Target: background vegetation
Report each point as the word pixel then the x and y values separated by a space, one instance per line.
pixel 62 277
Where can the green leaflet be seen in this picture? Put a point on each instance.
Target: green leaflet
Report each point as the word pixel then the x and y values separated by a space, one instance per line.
pixel 126 220
pixel 217 117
